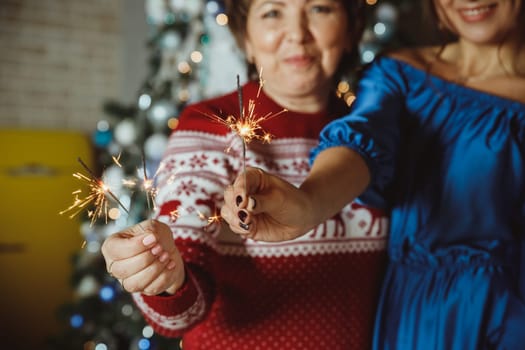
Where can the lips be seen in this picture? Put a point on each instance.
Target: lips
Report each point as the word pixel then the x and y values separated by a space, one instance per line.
pixel 299 60
pixel 478 13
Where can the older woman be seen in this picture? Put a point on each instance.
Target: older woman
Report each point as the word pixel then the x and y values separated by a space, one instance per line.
pixel 193 278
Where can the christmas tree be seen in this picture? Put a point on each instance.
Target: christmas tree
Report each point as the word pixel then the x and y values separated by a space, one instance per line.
pixel 189 41
pixel 191 51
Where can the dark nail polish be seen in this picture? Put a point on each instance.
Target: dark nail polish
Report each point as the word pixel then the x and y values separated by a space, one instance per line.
pixel 244 226
pixel 242 215
pixel 238 200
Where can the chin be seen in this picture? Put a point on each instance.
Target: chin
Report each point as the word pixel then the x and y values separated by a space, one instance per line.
pixel 305 86
pixel 482 39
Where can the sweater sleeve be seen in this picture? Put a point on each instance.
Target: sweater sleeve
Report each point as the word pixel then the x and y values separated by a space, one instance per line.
pixel 191 179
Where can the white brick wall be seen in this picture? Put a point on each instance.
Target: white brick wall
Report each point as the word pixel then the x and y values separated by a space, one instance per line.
pixel 59 61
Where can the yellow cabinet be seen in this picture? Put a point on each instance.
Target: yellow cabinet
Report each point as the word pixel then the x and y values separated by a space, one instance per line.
pixel 36 243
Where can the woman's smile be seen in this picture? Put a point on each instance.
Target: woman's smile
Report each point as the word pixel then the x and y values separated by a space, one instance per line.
pixel 478 13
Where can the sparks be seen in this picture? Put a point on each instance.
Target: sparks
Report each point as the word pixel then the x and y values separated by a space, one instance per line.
pixel 213 219
pixel 210 220
pixel 116 160
pixel 248 126
pixel 174 215
pixel 97 197
pixel 148 186
pixel 145 184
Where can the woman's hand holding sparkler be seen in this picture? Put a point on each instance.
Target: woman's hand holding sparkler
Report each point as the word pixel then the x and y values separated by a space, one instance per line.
pixel 264 207
pixel 145 259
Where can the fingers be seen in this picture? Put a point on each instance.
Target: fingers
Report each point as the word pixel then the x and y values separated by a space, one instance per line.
pixel 143 257
pixel 150 272
pixel 148 235
pixel 242 202
pixel 129 242
pixel 246 184
pixel 163 236
pixel 239 220
pixel 247 189
pixel 154 279
pixel 124 268
pixel 239 183
pixel 270 209
pixel 246 222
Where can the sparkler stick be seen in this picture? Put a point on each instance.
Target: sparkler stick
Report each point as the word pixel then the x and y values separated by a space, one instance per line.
pixel 148 184
pixel 241 116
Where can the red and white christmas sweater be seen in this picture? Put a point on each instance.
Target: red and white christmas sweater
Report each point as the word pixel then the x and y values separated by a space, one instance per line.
pixel 318 291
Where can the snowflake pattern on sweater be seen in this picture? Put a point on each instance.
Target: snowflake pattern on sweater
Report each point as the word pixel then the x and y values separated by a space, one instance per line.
pixel 318 291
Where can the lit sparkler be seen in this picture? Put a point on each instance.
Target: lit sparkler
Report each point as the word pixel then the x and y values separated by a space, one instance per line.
pixel 99 191
pixel 248 125
pixel 147 184
pixel 175 214
pixel 97 196
pixel 96 200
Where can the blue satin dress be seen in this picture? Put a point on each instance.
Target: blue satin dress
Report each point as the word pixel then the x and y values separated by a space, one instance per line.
pixel 449 162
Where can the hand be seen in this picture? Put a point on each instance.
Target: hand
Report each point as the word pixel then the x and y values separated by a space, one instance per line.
pixel 144 258
pixel 268 209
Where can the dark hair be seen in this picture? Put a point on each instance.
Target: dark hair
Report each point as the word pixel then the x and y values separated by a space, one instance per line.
pixel 444 35
pixel 237 12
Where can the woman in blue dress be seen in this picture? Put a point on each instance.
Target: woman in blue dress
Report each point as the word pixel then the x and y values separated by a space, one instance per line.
pixel 436 135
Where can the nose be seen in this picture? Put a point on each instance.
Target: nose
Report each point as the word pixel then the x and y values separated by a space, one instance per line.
pixel 298 29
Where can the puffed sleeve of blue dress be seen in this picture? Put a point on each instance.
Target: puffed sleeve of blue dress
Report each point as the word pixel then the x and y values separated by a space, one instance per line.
pixel 449 163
